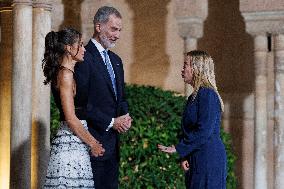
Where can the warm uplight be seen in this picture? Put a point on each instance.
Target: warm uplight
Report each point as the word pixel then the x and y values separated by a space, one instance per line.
pixel 5 125
pixel 5 95
pixel 34 161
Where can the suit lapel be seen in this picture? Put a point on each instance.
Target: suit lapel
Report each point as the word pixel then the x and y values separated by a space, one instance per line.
pixel 91 47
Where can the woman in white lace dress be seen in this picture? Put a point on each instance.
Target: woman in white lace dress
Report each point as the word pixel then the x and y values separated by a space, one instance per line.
pixel 69 165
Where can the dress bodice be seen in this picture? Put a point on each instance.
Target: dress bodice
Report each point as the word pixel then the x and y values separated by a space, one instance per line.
pixel 57 100
pixel 78 102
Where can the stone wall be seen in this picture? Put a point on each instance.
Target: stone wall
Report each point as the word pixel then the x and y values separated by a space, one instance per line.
pixel 150 47
pixel 261 5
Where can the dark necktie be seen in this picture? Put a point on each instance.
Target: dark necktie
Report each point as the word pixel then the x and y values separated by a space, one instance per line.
pixel 110 71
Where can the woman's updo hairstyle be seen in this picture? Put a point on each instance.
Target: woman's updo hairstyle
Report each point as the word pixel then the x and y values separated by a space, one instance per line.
pixel 55 49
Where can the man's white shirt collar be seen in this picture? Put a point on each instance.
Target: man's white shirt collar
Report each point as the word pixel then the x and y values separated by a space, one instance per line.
pixel 98 45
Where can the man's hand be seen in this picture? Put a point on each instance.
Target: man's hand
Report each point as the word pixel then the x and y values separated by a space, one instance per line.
pixel 122 123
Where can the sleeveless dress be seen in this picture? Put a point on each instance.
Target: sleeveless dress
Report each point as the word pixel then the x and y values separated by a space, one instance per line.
pixel 69 165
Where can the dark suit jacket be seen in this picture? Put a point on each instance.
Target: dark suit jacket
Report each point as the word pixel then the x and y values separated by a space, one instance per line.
pixel 96 98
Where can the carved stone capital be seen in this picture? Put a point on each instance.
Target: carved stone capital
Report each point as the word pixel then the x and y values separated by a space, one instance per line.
pixel 190 27
pixel 191 8
pixel 261 23
pixel 43 5
pixel 190 15
pixel 261 5
pixel 22 2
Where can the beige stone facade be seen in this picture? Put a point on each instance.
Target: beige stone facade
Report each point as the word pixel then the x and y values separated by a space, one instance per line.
pixel 245 39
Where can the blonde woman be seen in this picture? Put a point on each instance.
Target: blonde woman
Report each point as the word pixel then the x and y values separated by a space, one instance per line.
pixel 201 148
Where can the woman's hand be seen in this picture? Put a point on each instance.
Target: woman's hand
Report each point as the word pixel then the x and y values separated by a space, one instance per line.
pixel 167 149
pixel 184 165
pixel 97 149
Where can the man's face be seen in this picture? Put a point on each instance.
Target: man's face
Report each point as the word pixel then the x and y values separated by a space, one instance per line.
pixel 109 32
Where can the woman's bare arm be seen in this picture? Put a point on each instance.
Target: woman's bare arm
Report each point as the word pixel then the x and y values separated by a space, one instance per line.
pixel 65 84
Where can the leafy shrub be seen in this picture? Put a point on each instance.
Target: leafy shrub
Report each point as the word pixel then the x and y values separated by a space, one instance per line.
pixel 231 159
pixel 156 120
pixel 54 121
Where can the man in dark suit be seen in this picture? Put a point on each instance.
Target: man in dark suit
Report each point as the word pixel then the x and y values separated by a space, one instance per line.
pixel 100 94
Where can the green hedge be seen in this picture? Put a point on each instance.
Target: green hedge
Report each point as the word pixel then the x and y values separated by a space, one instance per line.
pixel 156 119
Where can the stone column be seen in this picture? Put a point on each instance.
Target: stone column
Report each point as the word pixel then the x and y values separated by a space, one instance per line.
pixel 40 95
pixel 190 43
pixel 5 92
pixel 260 134
pixel 259 22
pixel 20 174
pixel 190 16
pixel 279 112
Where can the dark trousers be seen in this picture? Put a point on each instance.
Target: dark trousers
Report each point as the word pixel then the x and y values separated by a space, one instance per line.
pixel 105 173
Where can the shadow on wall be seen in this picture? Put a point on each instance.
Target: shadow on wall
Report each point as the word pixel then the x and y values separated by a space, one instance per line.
pixel 72 14
pixel 20 166
pixel 41 151
pixel 151 63
pixel 20 175
pixel 231 47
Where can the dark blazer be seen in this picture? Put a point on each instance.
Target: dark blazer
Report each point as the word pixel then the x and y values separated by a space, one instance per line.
pixel 95 97
pixel 201 144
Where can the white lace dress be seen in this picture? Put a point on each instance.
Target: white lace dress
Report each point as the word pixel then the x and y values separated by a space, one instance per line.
pixel 69 165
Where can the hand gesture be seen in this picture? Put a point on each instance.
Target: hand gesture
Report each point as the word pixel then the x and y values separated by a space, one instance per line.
pixel 122 123
pixel 97 149
pixel 167 149
pixel 184 165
